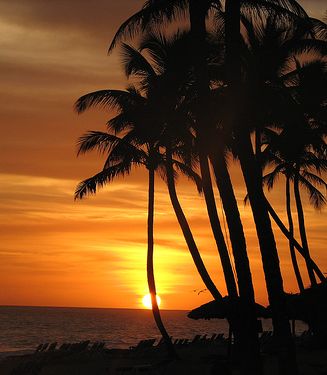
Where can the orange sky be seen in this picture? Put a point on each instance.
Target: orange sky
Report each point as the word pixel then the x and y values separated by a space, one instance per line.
pixel 57 252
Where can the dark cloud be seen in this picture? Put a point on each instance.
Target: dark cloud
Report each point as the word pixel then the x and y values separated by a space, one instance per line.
pixel 98 18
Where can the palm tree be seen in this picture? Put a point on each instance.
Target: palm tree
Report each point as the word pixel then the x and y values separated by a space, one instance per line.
pixel 135 148
pixel 300 172
pixel 154 11
pixel 171 60
pixel 251 176
pixel 270 56
pixel 293 241
pixel 291 230
pixel 245 150
pixel 198 12
pixel 268 50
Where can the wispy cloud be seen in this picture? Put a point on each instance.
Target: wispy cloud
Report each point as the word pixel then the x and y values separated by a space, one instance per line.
pixel 92 252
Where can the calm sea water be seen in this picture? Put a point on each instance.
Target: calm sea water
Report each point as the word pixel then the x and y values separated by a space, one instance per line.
pixel 23 328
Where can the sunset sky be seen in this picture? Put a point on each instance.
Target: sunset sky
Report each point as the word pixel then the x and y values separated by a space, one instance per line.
pixel 57 252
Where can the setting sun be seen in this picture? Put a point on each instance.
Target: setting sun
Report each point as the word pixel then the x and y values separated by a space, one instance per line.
pixel 146 300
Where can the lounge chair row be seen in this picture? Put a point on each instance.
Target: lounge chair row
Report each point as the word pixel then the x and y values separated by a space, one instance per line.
pixel 71 347
pixel 198 339
pixel 204 339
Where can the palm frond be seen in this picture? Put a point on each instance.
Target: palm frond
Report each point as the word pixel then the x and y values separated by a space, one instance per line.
pixel 314 162
pixel 313 178
pixel 96 140
pixel 317 199
pixel 135 63
pixel 304 46
pixel 113 99
pixel 283 9
pixel 125 152
pixel 90 185
pixel 319 28
pixel 270 178
pixel 153 12
pixel 156 44
pixel 189 173
pixel 120 122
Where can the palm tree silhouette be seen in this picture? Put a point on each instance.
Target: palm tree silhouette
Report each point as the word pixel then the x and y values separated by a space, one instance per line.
pixel 299 171
pixel 136 148
pixel 241 124
pixel 136 64
pixel 154 11
pixel 301 147
pixel 268 50
pixel 170 58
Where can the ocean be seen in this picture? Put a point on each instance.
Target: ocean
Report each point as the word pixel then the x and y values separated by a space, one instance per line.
pixel 24 328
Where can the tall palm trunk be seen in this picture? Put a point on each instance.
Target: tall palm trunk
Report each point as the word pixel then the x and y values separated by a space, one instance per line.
pixel 302 230
pixel 198 30
pixel 297 246
pixel 150 268
pixel 197 12
pixel 291 230
pixel 270 260
pixel 187 231
pixel 242 264
pixel 216 227
pixel 251 173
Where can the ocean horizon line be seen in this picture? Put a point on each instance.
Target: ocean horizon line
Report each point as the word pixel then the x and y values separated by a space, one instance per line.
pixel 89 307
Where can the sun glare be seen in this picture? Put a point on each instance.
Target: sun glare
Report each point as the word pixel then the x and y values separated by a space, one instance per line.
pixel 146 300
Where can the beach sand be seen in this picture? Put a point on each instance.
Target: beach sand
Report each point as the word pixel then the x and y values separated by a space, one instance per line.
pixel 195 359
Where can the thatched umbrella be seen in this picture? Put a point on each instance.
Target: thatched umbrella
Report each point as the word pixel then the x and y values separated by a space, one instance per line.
pixel 310 306
pixel 223 309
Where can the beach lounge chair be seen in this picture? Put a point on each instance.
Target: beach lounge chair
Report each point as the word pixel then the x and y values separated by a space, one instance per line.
pixel 84 345
pixel 184 342
pixel 52 347
pixel 219 337
pixel 161 341
pixel 143 344
pixel 94 346
pixel 38 348
pixel 44 347
pixel 63 347
pixel 195 339
pixel 100 346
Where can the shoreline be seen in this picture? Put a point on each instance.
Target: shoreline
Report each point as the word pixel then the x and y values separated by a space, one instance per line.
pixel 201 357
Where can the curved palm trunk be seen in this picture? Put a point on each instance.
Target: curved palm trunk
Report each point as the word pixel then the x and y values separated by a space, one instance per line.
pixel 250 364
pixel 150 268
pixel 251 173
pixel 242 264
pixel 187 231
pixel 216 227
pixel 291 231
pixel 297 246
pixel 269 255
pixel 197 12
pixel 302 230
